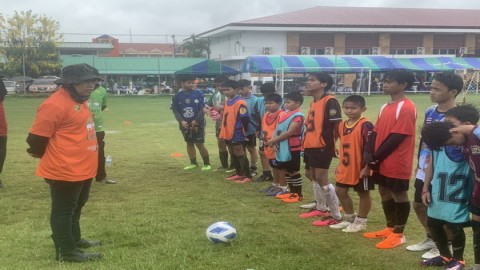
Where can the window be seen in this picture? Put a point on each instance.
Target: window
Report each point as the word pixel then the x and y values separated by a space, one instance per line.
pixel 315 51
pixel 358 51
pixel 403 51
pixel 445 51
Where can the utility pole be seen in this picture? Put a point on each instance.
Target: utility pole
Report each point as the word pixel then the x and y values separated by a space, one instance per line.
pixel 174 46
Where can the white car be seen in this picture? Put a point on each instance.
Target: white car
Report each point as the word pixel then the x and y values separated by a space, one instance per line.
pixel 11 86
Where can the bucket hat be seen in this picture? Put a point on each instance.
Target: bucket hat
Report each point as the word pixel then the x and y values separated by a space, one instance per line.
pixel 78 73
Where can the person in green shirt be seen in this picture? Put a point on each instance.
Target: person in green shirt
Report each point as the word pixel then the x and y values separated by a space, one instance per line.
pixel 97 103
pixel 215 111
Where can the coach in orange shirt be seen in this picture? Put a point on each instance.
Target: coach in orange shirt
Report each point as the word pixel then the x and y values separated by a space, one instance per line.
pixel 63 137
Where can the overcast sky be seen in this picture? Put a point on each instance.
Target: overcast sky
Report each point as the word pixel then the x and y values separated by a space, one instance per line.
pixel 132 20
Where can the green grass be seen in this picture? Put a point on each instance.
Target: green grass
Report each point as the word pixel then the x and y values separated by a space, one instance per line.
pixel 156 217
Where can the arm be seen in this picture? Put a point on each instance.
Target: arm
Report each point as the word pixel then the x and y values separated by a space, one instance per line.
pixel 368 147
pixel 244 118
pixel 200 114
pixel 176 113
pixel 38 145
pixel 426 198
pixel 294 126
pixel 386 148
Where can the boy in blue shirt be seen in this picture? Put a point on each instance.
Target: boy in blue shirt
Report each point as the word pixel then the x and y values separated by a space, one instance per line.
pixel 245 91
pixel 187 107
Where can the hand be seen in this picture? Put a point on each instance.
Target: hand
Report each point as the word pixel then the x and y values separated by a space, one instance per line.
pixel 270 143
pixel 184 124
pixel 365 172
pixel 426 199
pixel 463 129
pixel 195 123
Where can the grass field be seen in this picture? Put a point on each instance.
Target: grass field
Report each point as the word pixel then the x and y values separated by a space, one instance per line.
pixel 156 216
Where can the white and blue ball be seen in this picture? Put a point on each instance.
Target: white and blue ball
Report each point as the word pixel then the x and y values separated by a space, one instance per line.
pixel 221 232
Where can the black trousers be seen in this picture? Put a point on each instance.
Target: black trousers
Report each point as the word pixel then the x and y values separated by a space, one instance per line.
pixel 3 151
pixel 68 199
pixel 101 172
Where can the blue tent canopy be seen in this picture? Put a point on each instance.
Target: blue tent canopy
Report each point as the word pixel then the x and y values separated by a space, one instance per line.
pixel 207 68
pixel 346 64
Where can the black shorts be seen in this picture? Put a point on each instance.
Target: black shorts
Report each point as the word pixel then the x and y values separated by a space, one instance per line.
pixel 433 222
pixel 197 136
pixel 290 166
pixel 251 140
pixel 317 158
pixel 394 184
pixel 474 209
pixel 365 184
pixel 230 142
pixel 417 196
pixel 273 163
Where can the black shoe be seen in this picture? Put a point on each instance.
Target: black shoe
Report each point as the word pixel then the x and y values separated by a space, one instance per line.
pixel 263 178
pixel 78 256
pixel 84 243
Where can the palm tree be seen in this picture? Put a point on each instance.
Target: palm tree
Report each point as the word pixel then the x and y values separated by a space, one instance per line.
pixel 196 48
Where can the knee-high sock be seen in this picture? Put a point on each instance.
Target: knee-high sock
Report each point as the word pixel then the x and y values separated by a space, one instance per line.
pixel 440 237
pixel 295 183
pixel 332 201
pixel 289 182
pixel 245 166
pixel 223 158
pixel 319 197
pixel 236 164
pixel 389 209
pixel 402 211
pixel 476 240
pixel 458 242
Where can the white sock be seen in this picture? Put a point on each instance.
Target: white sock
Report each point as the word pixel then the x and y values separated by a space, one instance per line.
pixel 360 220
pixel 349 217
pixel 284 188
pixel 331 198
pixel 319 197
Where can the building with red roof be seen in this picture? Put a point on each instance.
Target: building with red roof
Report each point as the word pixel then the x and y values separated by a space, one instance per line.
pixel 350 31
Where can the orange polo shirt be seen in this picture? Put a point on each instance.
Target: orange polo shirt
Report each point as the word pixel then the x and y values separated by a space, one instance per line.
pixel 71 153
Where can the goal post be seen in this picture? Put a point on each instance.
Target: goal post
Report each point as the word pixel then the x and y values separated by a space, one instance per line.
pixel 346 80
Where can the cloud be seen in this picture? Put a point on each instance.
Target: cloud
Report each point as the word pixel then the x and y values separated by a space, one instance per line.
pixel 82 20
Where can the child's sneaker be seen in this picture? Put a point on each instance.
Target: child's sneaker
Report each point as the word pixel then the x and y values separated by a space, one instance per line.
pixel 283 195
pixel 234 177
pixel 426 244
pixel 267 189
pixel 244 180
pixel 341 225
pixel 230 170
pixel 434 252
pixel 392 241
pixel 455 265
pixel 435 261
pixel 294 197
pixel 190 167
pixel 379 234
pixel 355 227
pixel 206 168
pixel 274 192
pixel 314 213
pixel 311 205
pixel 326 222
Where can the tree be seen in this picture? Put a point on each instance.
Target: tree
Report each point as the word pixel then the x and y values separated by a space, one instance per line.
pixel 31 38
pixel 196 47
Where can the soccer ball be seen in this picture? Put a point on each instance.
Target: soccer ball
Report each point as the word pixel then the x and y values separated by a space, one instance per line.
pixel 221 232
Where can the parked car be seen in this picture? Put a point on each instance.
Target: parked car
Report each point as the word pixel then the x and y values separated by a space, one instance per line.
pixel 11 86
pixel 43 85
